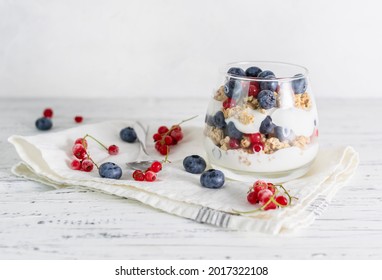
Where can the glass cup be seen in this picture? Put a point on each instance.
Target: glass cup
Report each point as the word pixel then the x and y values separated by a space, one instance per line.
pixel 262 122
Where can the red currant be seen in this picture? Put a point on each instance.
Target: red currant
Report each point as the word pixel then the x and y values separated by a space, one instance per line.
pixel 113 150
pixel 163 129
pixel 282 200
pixel 75 164
pixel 138 175
pixel 271 187
pixel 234 143
pixel 176 128
pixel 150 176
pixel 260 183
pixel 229 103
pixel 264 195
pixel 168 140
pixel 156 166
pixel 252 197
pixel 78 119
pixel 79 151
pixel 255 138
pixel 87 165
pixel 177 135
pixel 48 113
pixel 157 137
pixel 158 145
pixel 164 150
pixel 257 147
pixel 254 89
pixel 270 206
pixel 81 141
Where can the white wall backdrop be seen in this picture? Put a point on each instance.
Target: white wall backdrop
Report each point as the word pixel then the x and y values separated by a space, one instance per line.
pixel 99 48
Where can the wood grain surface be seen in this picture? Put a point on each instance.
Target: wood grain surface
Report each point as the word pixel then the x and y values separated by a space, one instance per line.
pixel 39 222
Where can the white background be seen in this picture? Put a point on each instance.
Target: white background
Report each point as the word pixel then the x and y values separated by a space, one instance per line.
pixel 96 48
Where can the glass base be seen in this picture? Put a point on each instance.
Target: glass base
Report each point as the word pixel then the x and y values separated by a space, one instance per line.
pixel 274 177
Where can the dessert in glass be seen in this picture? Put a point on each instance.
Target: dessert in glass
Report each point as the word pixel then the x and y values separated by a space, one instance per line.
pixel 262 121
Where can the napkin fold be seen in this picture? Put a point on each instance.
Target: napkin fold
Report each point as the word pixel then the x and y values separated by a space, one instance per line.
pixel 46 158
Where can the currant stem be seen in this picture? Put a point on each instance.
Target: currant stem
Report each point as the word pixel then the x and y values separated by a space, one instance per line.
pixel 186 120
pixel 87 135
pixel 166 158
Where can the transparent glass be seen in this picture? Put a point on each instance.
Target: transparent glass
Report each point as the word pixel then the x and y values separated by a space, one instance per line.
pixel 262 124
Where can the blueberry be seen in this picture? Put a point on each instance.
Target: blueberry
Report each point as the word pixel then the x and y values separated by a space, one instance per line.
pixel 128 134
pixel 233 89
pixel 252 71
pixel 219 120
pixel 43 124
pixel 209 120
pixel 233 132
pixel 265 73
pixel 213 179
pixel 236 71
pixel 271 85
pixel 299 85
pixel 267 126
pixel 194 164
pixel 110 170
pixel 267 99
pixel 283 133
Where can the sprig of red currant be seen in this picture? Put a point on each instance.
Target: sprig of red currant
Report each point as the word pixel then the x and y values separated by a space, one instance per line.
pixel 268 195
pixel 166 137
pixel 150 175
pixel 83 160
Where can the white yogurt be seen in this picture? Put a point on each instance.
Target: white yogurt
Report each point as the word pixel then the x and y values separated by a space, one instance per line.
pixel 279 161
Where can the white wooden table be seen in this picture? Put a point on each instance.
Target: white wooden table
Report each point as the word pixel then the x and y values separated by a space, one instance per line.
pixel 38 222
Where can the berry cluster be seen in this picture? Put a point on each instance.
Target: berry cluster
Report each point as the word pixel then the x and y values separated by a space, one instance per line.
pixel 45 122
pixel 83 160
pixel 268 195
pixel 150 175
pixel 166 137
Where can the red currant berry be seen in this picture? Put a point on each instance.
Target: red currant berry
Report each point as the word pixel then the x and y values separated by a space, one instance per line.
pixel 81 141
pixel 264 195
pixel 138 175
pixel 87 165
pixel 113 150
pixel 163 129
pixel 234 143
pixel 176 128
pixel 255 138
pixel 168 140
pixel 156 166
pixel 271 187
pixel 282 200
pixel 136 172
pixel 252 198
pixel 270 206
pixel 79 151
pixel 157 137
pixel 75 164
pixel 48 113
pixel 78 119
pixel 177 135
pixel 150 176
pixel 257 147
pixel 229 103
pixel 158 144
pixel 254 89
pixel 260 183
pixel 164 150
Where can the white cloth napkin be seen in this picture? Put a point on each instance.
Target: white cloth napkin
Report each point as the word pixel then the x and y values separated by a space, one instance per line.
pixel 46 158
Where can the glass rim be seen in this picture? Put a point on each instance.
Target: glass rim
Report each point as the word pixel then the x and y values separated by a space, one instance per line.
pixel 303 74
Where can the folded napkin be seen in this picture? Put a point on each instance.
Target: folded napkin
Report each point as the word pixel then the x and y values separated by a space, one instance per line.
pixel 46 158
